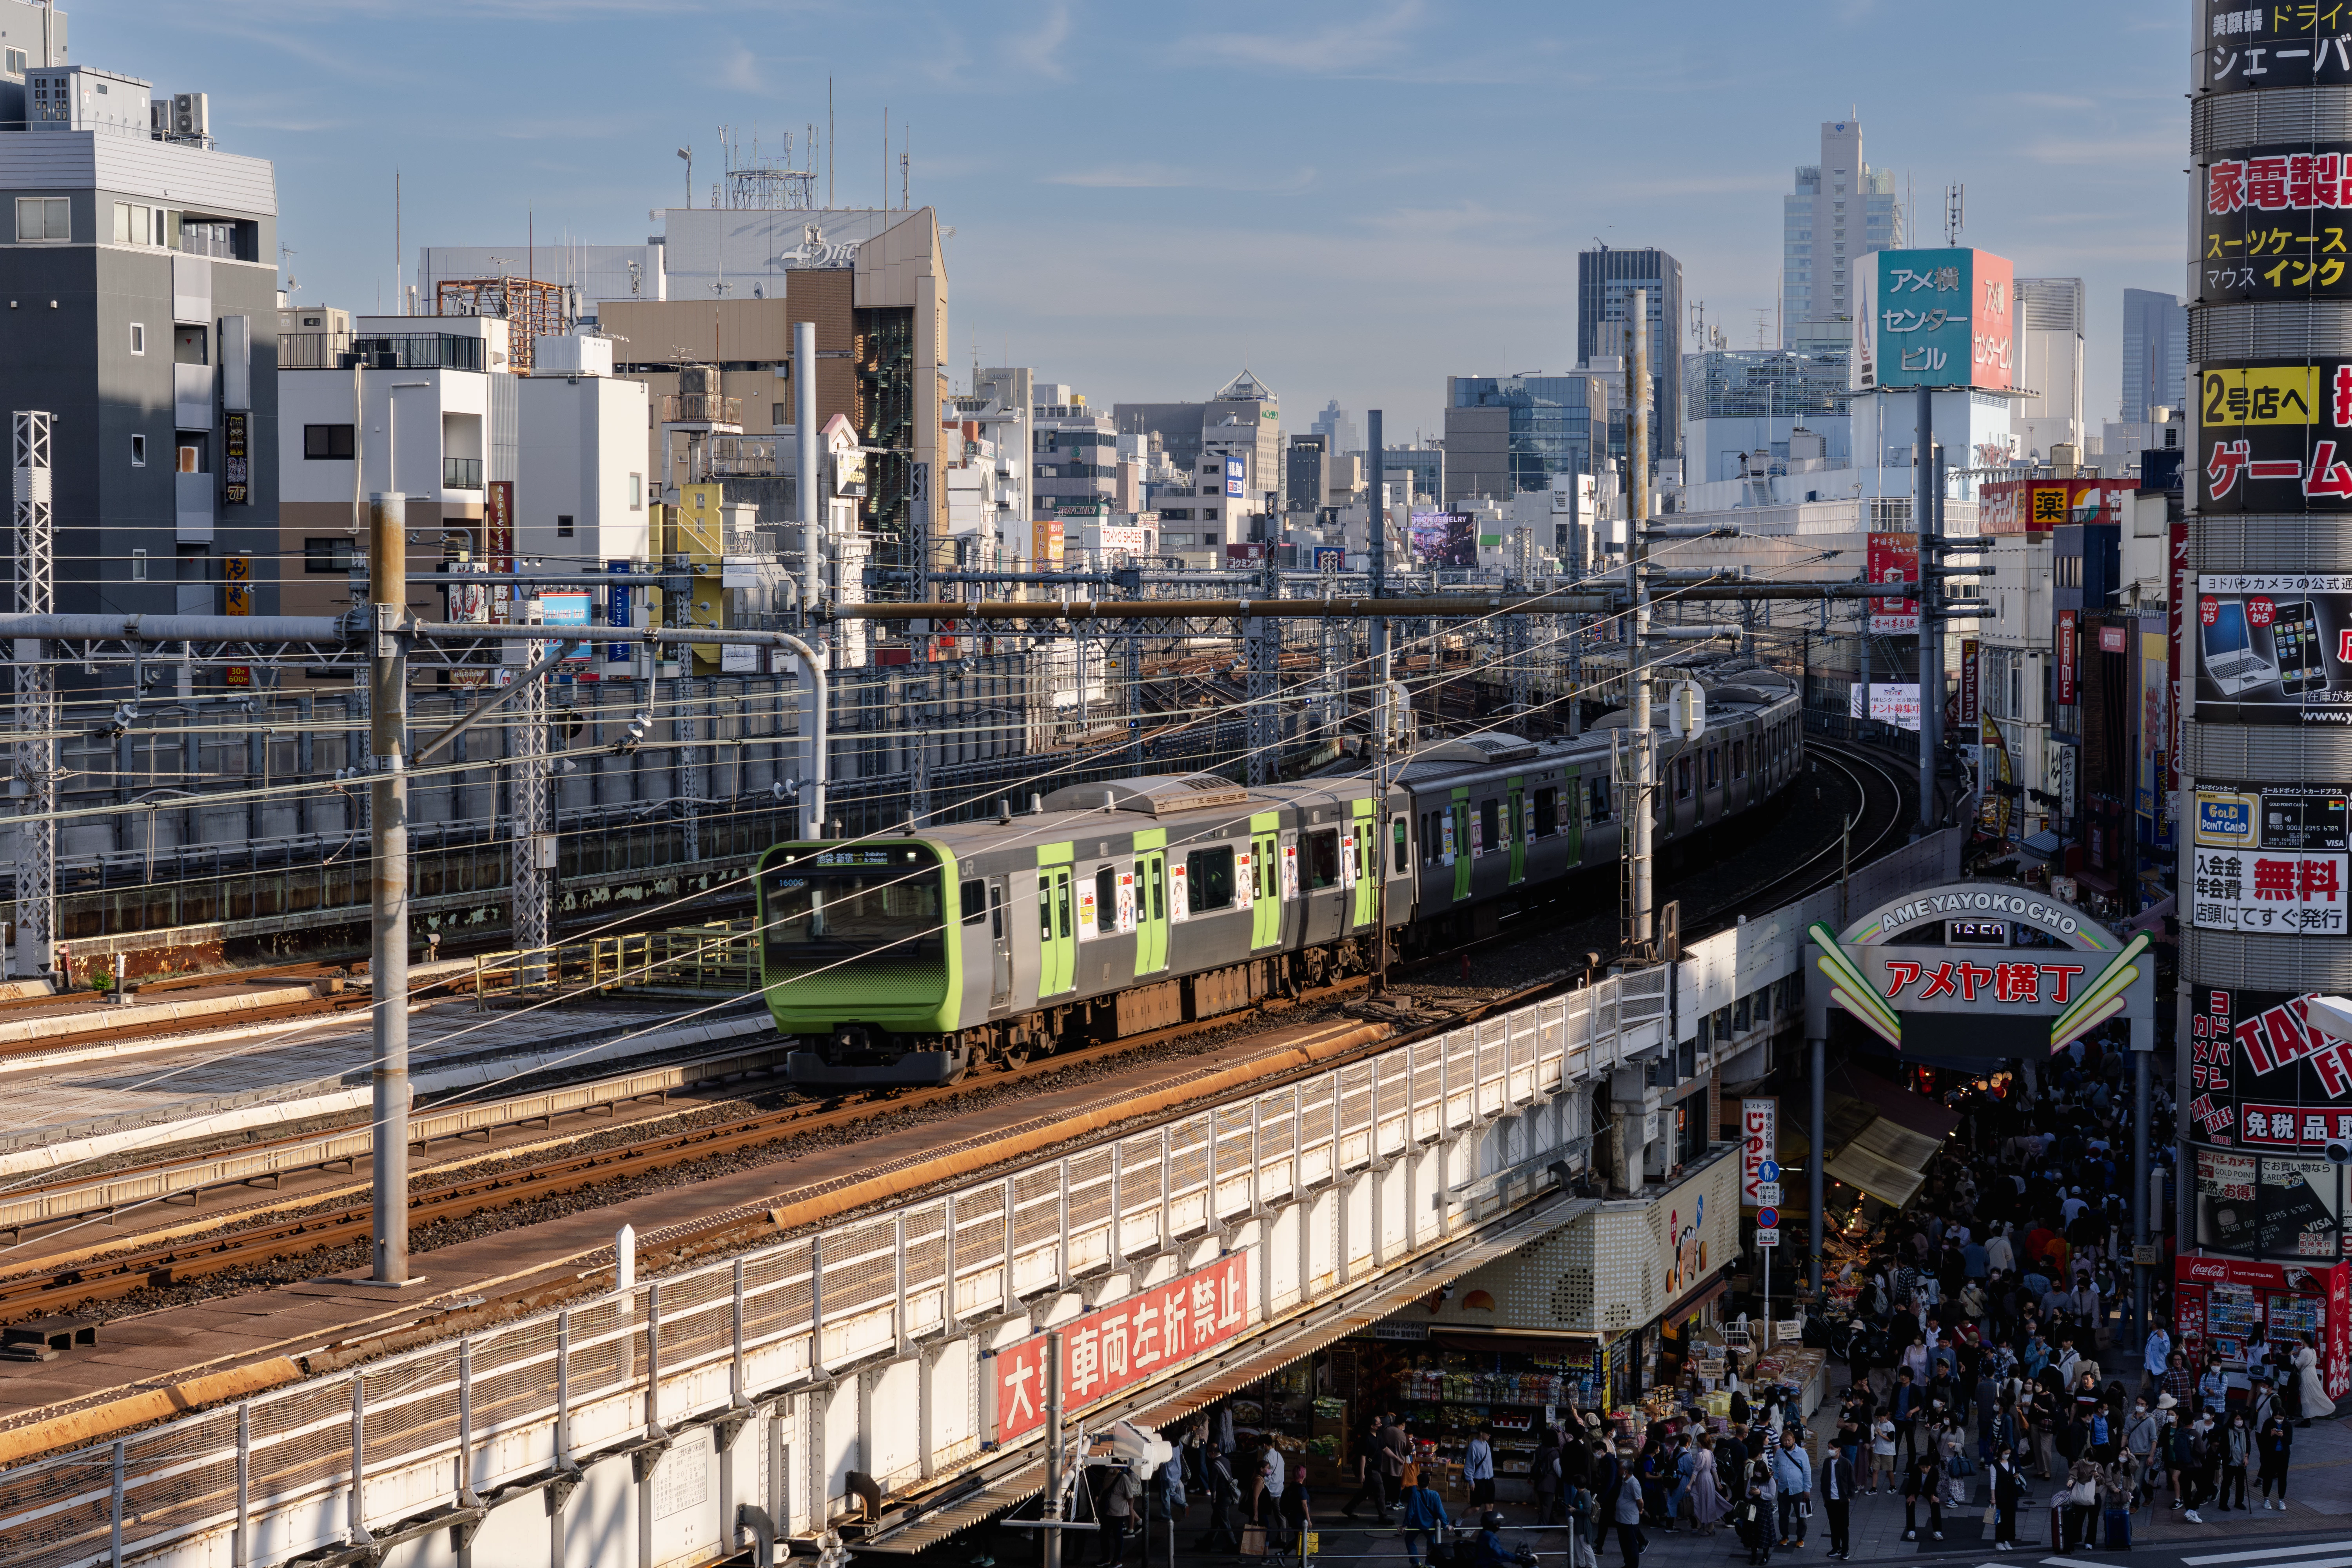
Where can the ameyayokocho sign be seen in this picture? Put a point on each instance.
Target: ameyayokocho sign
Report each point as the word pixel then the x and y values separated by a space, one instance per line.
pixel 2273 647
pixel 1967 971
pixel 1112 1349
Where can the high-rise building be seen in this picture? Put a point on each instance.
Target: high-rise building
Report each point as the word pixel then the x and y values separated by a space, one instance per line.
pixel 1341 432
pixel 1842 210
pixel 142 279
pixel 2049 321
pixel 2156 353
pixel 1244 401
pixel 1605 282
pixel 1504 434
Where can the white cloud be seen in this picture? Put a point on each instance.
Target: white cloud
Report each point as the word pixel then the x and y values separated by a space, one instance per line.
pixel 1169 177
pixel 1038 48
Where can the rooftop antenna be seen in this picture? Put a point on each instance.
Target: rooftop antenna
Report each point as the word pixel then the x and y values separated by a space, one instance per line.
pixel 1952 215
pixel 828 142
pixel 905 141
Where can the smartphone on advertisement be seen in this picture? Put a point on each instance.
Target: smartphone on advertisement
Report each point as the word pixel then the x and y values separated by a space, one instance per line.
pixel 2294 642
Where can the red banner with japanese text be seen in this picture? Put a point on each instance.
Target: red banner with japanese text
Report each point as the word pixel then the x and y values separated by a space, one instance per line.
pixel 1112 1349
pixel 2066 656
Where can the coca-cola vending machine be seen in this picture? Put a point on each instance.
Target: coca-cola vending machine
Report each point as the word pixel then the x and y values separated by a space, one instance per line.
pixel 2220 1300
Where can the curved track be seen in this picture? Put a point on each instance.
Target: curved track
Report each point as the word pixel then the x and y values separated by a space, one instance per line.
pixel 1883 814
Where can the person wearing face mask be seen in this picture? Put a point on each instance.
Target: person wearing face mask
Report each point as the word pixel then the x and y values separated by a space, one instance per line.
pixel 2142 1431
pixel 2008 1493
pixel 2237 1450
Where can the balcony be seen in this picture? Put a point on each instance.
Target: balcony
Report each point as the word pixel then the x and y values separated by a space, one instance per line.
pixel 378 351
pixel 461 473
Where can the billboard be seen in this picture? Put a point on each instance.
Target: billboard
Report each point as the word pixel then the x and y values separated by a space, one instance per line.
pixel 1759 1141
pixel 2274 437
pixel 1113 1348
pixel 2269 857
pixel 2273 223
pixel 497 539
pixel 1445 539
pixel 2067 656
pixel 2240 47
pixel 1939 318
pixel 1894 558
pixel 2037 506
pixel 1891 702
pixel 1235 478
pixel 2273 648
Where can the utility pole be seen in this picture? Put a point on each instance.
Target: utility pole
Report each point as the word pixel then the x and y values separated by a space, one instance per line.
pixel 388 862
pixel 1639 818
pixel 35 783
pixel 1053 1508
pixel 1382 721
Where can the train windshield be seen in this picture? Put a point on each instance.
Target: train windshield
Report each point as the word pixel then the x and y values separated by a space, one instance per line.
pixel 843 902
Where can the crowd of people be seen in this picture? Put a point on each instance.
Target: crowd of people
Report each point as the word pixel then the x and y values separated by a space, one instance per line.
pixel 1992 1362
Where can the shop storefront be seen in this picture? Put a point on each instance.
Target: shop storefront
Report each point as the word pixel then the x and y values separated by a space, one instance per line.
pixel 2221 1303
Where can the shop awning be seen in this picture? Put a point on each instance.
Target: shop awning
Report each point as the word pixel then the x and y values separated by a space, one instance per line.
pixel 1192 1388
pixel 1895 1139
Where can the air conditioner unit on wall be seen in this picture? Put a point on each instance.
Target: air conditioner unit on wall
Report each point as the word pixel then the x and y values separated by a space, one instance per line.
pixel 191 114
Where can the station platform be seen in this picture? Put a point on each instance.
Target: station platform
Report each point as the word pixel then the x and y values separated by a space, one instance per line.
pixel 77 1102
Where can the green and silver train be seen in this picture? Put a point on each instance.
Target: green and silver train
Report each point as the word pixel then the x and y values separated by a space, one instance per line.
pixel 1110 909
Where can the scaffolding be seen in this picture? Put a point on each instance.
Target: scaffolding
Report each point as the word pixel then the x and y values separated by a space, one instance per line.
pixel 531 310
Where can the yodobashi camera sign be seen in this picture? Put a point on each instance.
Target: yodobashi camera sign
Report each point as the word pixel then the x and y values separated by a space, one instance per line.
pixel 2273 648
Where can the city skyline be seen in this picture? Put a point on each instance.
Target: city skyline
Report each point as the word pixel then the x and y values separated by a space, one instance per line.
pixel 1262 201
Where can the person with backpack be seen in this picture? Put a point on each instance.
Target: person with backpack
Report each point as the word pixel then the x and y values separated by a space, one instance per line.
pixel 2189 1457
pixel 1424 1523
pixel 1583 1537
pixel 1224 1492
pixel 1545 1477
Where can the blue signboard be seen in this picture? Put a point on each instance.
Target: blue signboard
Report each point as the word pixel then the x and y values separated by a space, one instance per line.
pixel 616 612
pixel 1937 318
pixel 1234 478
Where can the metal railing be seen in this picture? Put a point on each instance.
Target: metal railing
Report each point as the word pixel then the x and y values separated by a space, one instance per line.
pixel 461 473
pixel 378 351
pixel 423 1430
pixel 722 959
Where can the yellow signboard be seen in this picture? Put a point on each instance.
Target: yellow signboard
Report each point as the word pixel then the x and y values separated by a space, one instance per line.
pixel 2261 394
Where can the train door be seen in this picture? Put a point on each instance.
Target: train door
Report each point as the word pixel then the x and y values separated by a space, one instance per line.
pixel 1462 855
pixel 1366 863
pixel 1151 912
pixel 1515 827
pixel 1571 814
pixel 1057 957
pixel 1000 947
pixel 1265 871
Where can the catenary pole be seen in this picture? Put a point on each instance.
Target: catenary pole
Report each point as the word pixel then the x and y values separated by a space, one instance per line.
pixel 388 914
pixel 1637 553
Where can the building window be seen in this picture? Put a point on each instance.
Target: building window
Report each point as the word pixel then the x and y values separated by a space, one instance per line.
pixel 44 219
pixel 139 451
pixel 18 61
pixel 636 493
pixel 135 225
pixel 776 419
pixel 563 529
pixel 139 337
pixel 333 553
pixel 328 442
pixel 192 459
pixel 139 566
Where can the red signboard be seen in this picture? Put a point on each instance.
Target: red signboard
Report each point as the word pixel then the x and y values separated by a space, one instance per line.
pixel 1894 558
pixel 2037 506
pixel 2114 639
pixel 2330 1285
pixel 1112 1349
pixel 2066 655
pixel 1759 1141
pixel 1970 658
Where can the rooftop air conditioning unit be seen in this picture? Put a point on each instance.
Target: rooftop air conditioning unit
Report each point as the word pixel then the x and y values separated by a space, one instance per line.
pixel 191 114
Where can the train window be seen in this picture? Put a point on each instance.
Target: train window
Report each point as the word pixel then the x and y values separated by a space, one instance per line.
pixel 1547 813
pixel 996 914
pixel 1739 759
pixel 1107 900
pixel 1062 905
pixel 1209 880
pixel 975 903
pixel 1323 859
pixel 1600 794
pixel 1044 909
pixel 1490 824
pixel 1157 886
pixel 1404 853
pixel 1429 839
pixel 1682 778
pixel 1714 766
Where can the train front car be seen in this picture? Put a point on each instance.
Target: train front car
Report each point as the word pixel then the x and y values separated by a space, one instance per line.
pixel 857 964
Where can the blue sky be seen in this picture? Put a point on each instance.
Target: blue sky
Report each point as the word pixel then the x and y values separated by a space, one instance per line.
pixel 1361 199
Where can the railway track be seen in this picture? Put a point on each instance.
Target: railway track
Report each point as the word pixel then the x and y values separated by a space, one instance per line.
pixel 40 1287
